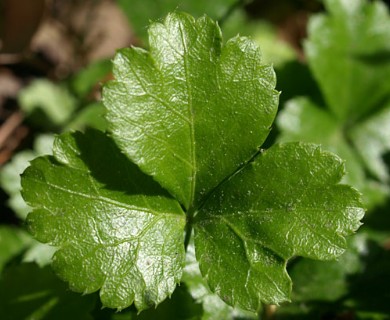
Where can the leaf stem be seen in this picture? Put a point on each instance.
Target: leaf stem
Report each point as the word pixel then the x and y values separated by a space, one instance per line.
pixel 188 229
pixel 189 224
pixel 268 312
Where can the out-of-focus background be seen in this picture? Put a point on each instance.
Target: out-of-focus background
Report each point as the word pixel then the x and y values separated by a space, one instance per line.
pixel 55 55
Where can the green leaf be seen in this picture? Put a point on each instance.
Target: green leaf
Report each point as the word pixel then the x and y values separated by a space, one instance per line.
pixel 306 86
pixel 10 181
pixel 327 281
pixel 188 116
pixel 30 292
pixel 39 253
pixel 84 81
pixel 213 307
pixel 10 173
pixel 355 119
pixel 175 111
pixel 12 242
pixel 116 229
pixel 372 140
pixel 286 202
pixel 302 120
pixel 91 116
pixel 337 51
pixel 45 98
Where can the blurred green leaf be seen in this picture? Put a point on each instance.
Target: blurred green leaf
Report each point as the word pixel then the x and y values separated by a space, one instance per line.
pixel 327 281
pixel 10 181
pixel 369 291
pixel 84 81
pixel 45 101
pixel 13 241
pixel 39 253
pixel 30 292
pixel 371 139
pixel 356 119
pixel 10 173
pixel 351 87
pixel 302 120
pixel 91 116
pixel 274 50
pixel 141 12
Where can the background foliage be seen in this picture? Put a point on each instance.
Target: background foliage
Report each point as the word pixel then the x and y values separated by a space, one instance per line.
pixel 332 61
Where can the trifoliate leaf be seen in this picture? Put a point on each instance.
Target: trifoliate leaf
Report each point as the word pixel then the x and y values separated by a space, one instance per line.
pixel 175 111
pixel 30 292
pixel 116 229
pixel 338 48
pixel 192 114
pixel 286 202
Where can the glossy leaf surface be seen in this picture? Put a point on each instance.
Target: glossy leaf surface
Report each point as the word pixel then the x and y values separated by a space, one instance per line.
pixel 286 202
pixel 213 307
pixel 186 121
pixel 175 111
pixel 116 229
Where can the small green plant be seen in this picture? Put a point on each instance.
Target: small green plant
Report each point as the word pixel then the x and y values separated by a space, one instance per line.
pixel 181 161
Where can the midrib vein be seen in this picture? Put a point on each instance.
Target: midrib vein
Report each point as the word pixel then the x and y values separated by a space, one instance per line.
pixel 190 116
pixel 104 199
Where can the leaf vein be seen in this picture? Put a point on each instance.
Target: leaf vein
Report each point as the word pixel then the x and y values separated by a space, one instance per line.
pixel 105 199
pixel 190 115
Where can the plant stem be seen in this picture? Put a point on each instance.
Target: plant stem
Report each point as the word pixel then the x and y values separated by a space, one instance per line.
pixel 188 231
pixel 268 312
